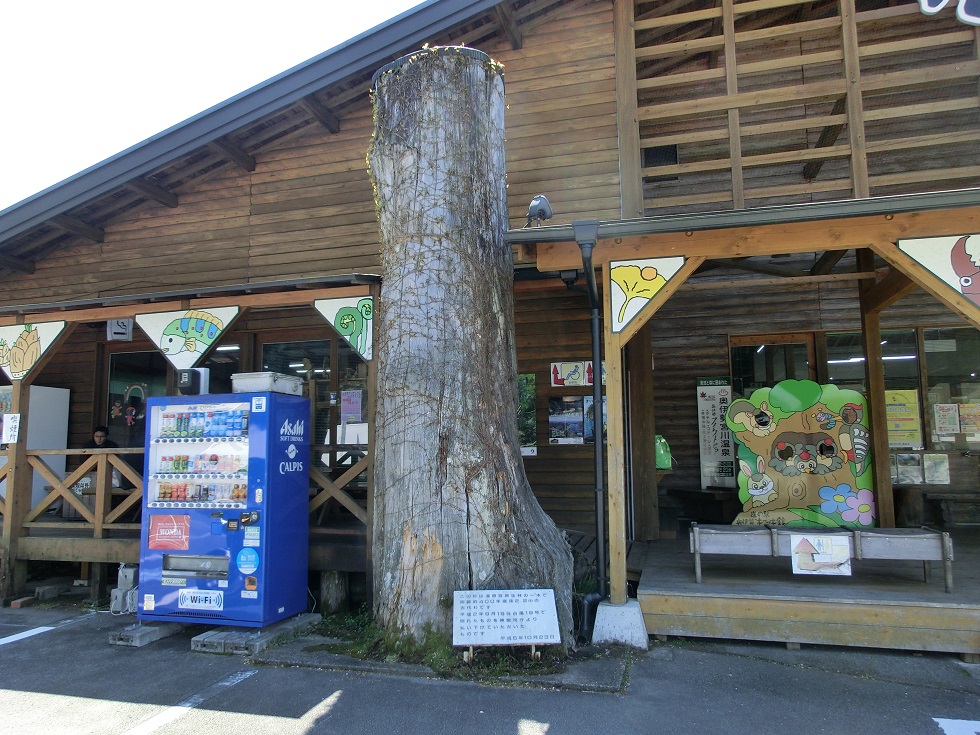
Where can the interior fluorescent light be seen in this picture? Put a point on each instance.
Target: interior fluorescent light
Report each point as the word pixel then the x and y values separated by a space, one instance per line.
pixel 296 365
pixel 761 348
pixel 227 348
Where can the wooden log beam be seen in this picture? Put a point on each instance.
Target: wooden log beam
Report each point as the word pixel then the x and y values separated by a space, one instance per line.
pixel 233 153
pixel 894 286
pixel 747 264
pixel 321 113
pixel 826 262
pixel 828 137
pixel 508 25
pixel 151 190
pixel 75 226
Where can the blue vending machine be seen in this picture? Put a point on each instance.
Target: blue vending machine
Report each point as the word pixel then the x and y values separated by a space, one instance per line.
pixel 225 509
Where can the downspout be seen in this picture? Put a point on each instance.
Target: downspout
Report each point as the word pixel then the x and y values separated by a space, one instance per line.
pixel 586 234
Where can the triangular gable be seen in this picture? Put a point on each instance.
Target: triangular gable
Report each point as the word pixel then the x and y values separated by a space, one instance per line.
pixel 633 283
pixel 353 318
pixel 22 345
pixel 968 11
pixel 953 260
pixel 184 336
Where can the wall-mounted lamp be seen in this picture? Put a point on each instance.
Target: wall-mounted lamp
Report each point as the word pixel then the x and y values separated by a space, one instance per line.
pixel 539 210
pixel 569 277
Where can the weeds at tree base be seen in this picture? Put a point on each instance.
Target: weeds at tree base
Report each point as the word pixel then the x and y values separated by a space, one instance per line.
pixel 359 637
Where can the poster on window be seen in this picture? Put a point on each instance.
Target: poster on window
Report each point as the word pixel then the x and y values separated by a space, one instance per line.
pixel 715 439
pixel 902 417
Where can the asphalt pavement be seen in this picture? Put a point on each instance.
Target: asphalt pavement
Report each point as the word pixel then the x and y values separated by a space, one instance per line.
pixel 59 673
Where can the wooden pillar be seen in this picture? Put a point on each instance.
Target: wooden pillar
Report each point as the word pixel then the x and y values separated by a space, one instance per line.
pixel 855 102
pixel 616 480
pixel 630 155
pixel 642 478
pixel 875 379
pixel 734 119
pixel 13 572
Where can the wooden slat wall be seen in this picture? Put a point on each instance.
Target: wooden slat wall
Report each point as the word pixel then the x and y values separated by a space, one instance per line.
pixel 808 87
pixel 553 325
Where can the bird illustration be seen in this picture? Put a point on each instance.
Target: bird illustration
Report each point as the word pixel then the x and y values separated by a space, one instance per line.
pixel 855 438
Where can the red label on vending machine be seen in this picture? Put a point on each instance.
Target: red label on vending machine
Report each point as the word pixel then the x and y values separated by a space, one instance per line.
pixel 169 532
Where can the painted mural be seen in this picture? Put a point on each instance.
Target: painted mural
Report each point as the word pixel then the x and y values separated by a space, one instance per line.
pixel 22 345
pixel 954 260
pixel 184 336
pixel 967 11
pixel 633 283
pixel 804 456
pixel 353 318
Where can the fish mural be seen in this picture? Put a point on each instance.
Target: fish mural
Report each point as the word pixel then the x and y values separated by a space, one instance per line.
pixel 185 336
pixel 968 11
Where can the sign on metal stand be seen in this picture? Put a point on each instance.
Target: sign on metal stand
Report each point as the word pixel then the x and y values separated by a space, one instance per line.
pixel 504 618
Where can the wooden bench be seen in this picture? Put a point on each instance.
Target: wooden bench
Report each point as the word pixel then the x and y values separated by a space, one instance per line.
pixel 920 544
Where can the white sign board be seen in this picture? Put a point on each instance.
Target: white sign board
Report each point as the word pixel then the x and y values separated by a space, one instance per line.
pixel 504 618
pixel 820 554
pixel 715 440
pixel 11 428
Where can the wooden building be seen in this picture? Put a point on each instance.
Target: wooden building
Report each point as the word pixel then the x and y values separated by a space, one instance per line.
pixel 781 148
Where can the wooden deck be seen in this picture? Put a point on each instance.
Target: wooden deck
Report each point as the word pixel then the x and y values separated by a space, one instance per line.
pixel 884 604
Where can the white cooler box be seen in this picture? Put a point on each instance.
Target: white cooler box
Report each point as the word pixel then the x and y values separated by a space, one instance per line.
pixel 291 385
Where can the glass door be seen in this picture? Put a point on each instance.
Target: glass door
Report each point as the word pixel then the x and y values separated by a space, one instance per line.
pixel 761 361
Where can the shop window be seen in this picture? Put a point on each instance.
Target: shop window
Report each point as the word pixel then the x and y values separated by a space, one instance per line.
pixel 900 362
pixel 762 361
pixel 952 358
pixel 222 364
pixel 133 377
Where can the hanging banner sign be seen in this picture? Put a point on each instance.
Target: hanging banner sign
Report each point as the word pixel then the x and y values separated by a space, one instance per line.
pixel 715 439
pixel 184 336
pixel 353 318
pixel 21 346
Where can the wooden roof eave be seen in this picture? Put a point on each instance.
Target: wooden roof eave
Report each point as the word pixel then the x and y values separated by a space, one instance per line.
pixel 264 294
pixel 356 56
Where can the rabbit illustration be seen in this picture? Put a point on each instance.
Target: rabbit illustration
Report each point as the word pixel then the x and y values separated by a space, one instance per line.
pixel 760 485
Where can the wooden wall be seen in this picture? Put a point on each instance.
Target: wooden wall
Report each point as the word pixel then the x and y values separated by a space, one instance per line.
pixel 798 101
pixel 553 325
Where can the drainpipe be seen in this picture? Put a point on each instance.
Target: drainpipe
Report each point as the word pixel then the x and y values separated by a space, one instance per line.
pixel 586 234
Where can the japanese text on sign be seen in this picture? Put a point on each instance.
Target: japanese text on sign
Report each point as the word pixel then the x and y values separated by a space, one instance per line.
pixel 504 617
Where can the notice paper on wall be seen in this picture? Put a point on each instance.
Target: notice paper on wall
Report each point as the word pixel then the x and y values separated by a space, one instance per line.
pixel 936 467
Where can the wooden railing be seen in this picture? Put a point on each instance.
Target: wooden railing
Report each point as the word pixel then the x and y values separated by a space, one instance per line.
pixel 102 515
pixel 117 508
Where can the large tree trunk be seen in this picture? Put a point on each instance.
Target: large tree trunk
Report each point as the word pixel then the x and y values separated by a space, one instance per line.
pixel 452 506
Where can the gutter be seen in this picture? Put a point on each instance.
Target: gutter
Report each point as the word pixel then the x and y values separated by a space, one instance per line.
pixel 783 214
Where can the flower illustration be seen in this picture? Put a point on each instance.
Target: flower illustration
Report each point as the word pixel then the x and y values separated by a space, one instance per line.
pixel 860 508
pixel 835 499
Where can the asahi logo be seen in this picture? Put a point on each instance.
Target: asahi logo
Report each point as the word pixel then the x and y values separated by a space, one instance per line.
pixel 292 430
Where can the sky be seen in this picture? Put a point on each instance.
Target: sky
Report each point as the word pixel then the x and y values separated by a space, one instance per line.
pixel 82 81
